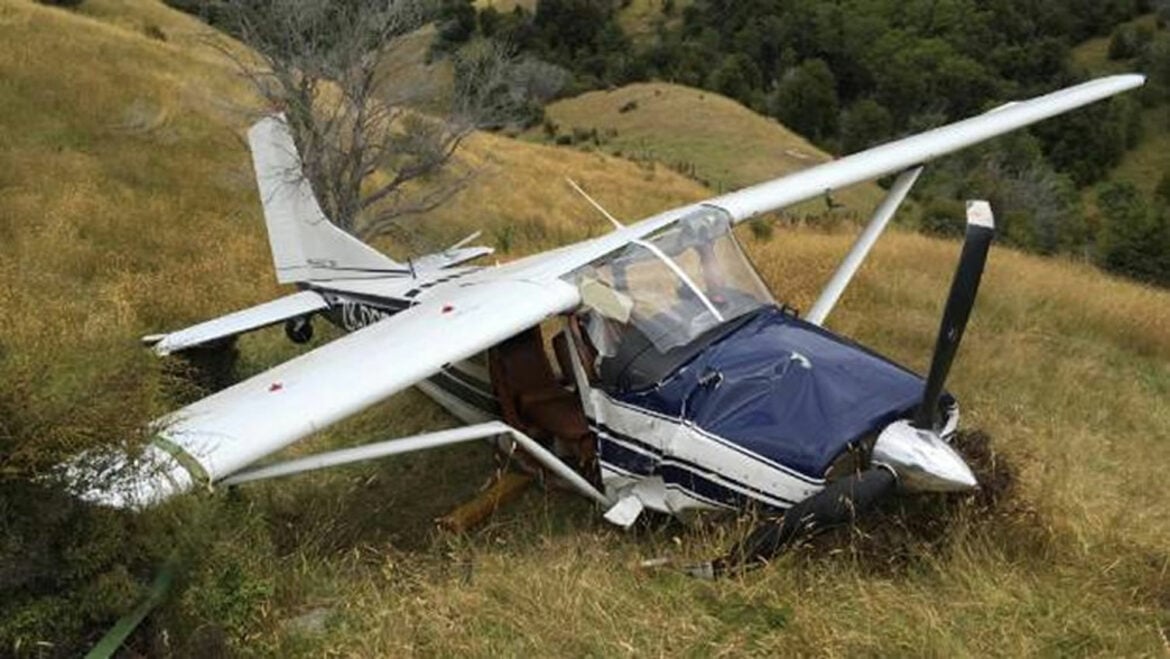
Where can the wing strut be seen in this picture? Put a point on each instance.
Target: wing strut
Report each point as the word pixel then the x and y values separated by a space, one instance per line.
pixel 420 443
pixel 853 260
pixel 593 202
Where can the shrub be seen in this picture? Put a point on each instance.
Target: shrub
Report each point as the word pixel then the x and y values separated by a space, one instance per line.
pixel 1123 44
pixel 154 32
pixel 943 217
pixel 65 568
pixel 1162 192
pixel 762 228
pixel 1129 41
pixel 1136 241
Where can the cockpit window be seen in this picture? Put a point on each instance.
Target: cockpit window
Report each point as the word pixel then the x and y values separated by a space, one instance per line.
pixel 675 285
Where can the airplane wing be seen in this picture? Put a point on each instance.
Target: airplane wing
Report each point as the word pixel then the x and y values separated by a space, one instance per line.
pixel 245 320
pixel 227 431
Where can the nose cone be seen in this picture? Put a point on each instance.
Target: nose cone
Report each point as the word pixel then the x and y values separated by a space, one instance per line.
pixel 921 459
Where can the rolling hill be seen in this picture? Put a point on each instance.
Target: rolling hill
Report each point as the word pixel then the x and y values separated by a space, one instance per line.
pixel 126 206
pixel 710 137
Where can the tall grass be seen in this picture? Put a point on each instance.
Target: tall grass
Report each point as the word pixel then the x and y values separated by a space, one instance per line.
pixel 126 207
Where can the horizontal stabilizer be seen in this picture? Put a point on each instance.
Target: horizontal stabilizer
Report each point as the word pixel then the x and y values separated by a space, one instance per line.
pixel 246 320
pixel 451 257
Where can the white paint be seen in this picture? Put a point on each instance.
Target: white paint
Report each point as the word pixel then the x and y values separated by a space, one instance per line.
pixel 421 443
pixel 246 320
pixel 861 247
pixel 239 425
pixel 625 512
pixel 235 427
pixel 305 244
pixel 733 467
pixel 979 213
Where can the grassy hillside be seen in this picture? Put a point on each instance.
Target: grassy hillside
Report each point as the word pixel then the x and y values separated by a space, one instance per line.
pixel 126 207
pixel 709 136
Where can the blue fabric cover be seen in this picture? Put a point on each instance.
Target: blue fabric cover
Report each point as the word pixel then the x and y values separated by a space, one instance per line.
pixel 787 390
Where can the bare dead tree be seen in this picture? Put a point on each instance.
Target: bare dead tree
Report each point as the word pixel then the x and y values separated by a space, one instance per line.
pixel 373 160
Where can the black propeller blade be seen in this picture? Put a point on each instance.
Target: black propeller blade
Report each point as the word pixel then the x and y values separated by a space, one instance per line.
pixel 980 231
pixel 836 505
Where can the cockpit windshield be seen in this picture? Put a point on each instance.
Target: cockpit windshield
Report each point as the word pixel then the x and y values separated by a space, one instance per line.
pixel 673 286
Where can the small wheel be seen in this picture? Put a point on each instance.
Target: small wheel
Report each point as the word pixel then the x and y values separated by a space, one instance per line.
pixel 299 330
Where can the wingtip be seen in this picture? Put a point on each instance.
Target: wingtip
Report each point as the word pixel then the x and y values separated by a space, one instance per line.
pixel 1127 80
pixel 152 339
pixel 127 483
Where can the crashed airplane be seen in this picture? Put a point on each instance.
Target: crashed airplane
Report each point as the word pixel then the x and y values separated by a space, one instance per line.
pixel 676 381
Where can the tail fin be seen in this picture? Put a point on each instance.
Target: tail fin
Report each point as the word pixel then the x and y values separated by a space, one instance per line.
pixel 305 244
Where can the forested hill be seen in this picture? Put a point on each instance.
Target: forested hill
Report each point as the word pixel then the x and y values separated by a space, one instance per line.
pixel 842 73
pixel 853 73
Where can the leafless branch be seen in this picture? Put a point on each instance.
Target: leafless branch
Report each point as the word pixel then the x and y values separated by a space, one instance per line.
pixel 371 158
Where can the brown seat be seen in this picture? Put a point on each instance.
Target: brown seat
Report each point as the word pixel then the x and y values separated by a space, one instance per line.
pixel 560 344
pixel 531 398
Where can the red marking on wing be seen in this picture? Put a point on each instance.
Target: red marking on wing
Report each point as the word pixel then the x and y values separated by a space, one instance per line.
pixel 275 386
pixel 447 308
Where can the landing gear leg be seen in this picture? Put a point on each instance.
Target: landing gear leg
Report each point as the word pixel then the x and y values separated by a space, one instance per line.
pixel 299 330
pixel 201 371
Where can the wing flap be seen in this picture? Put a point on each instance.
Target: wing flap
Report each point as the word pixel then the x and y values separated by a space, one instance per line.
pixel 245 320
pixel 231 429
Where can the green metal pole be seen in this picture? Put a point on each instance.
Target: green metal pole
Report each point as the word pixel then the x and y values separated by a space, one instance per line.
pixel 126 625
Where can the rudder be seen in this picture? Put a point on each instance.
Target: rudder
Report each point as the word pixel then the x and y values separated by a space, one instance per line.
pixel 306 246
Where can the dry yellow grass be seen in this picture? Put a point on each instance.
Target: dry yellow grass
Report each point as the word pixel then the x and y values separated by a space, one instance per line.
pixel 520 194
pixel 126 207
pixel 414 81
pixel 727 144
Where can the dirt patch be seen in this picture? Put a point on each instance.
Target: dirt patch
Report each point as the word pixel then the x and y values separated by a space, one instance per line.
pixel 997 476
pixel 906 529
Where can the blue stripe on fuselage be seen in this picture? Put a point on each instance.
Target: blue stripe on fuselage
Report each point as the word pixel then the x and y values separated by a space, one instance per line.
pixel 637 457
